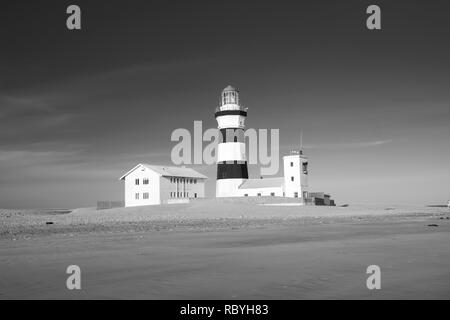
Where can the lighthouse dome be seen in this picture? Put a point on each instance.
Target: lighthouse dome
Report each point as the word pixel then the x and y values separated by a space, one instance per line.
pixel 229 88
pixel 230 96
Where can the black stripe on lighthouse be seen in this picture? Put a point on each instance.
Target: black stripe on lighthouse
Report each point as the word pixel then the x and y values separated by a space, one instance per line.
pixel 230 113
pixel 232 170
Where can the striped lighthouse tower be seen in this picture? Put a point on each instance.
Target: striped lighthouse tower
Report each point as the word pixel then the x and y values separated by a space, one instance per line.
pixel 231 160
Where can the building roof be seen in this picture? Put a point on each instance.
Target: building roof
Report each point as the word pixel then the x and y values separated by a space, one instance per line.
pixel 229 88
pixel 262 183
pixel 168 171
pixel 296 155
pixel 320 195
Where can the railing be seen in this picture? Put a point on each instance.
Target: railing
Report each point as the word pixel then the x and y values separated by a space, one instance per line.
pixel 231 107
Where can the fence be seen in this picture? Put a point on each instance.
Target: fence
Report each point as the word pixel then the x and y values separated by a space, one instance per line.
pixel 101 205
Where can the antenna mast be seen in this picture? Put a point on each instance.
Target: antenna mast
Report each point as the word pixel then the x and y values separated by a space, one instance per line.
pixel 301 142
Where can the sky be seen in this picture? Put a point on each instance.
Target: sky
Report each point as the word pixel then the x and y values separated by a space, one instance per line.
pixel 80 108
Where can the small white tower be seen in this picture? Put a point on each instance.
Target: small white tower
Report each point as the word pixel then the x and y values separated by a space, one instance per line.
pixel 296 175
pixel 231 159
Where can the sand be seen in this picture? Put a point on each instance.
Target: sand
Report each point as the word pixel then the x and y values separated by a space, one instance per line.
pixel 210 250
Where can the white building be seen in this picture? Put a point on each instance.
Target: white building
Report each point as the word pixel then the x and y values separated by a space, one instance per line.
pixel 295 176
pixel 293 184
pixel 147 184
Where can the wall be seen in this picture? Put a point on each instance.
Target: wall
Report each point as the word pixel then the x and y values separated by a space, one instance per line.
pixel 300 183
pixel 182 186
pixel 247 200
pixel 264 192
pixel 152 188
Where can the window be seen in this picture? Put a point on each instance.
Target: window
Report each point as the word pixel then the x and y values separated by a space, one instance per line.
pixel 259 194
pixel 145 195
pixel 136 196
pixel 145 181
pixel 195 181
pixel 195 195
pixel 292 164
pixel 246 195
pixel 305 167
pixel 292 178
pixel 171 194
pixel 272 194
pixel 295 194
pixel 136 182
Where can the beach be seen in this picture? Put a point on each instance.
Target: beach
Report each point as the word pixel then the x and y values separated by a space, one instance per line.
pixel 219 250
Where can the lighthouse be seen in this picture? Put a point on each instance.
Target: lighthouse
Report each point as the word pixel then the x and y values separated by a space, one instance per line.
pixel 231 157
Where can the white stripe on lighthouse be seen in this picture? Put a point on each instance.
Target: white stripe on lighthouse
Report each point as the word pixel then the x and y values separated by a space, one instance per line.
pixel 230 121
pixel 228 187
pixel 231 151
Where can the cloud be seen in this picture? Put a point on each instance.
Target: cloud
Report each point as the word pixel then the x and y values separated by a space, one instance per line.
pixel 366 144
pixel 31 117
pixel 26 158
pixel 68 162
pixel 20 105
